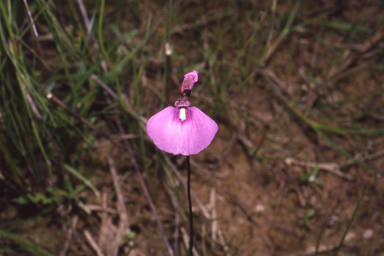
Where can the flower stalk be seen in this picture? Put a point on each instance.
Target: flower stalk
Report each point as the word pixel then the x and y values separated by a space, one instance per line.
pixel 190 208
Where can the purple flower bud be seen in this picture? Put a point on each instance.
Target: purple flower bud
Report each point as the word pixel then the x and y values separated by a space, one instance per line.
pixel 189 79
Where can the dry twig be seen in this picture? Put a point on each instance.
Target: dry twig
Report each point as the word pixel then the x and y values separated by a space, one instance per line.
pixel 330 167
pixel 110 237
pixel 214 227
pixel 195 198
pixel 31 19
pixel 124 224
pixel 186 240
pixel 69 236
pixel 363 158
pixel 98 208
pixel 92 242
pixel 233 198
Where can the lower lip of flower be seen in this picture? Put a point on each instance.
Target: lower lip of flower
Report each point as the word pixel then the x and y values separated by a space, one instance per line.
pixel 182 114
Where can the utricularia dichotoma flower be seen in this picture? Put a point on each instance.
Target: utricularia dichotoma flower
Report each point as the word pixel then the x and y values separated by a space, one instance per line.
pixel 182 129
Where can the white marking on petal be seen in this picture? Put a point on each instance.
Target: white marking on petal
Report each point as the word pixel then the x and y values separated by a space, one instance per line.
pixel 182 114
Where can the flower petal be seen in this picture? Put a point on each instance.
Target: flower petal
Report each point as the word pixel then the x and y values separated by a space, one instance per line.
pixel 187 137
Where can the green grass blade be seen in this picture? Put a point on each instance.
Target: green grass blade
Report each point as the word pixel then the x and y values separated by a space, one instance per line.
pixel 30 247
pixel 338 148
pixel 82 178
pixel 321 231
pixel 238 247
pixel 350 222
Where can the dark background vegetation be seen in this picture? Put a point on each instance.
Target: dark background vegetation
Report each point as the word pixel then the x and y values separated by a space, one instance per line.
pixel 296 87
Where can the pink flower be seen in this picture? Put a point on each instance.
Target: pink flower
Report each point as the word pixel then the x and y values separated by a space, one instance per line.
pixel 182 130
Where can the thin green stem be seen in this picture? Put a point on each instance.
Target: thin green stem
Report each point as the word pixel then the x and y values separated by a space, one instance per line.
pixel 350 222
pixel 106 56
pixel 270 35
pixel 6 21
pixel 321 231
